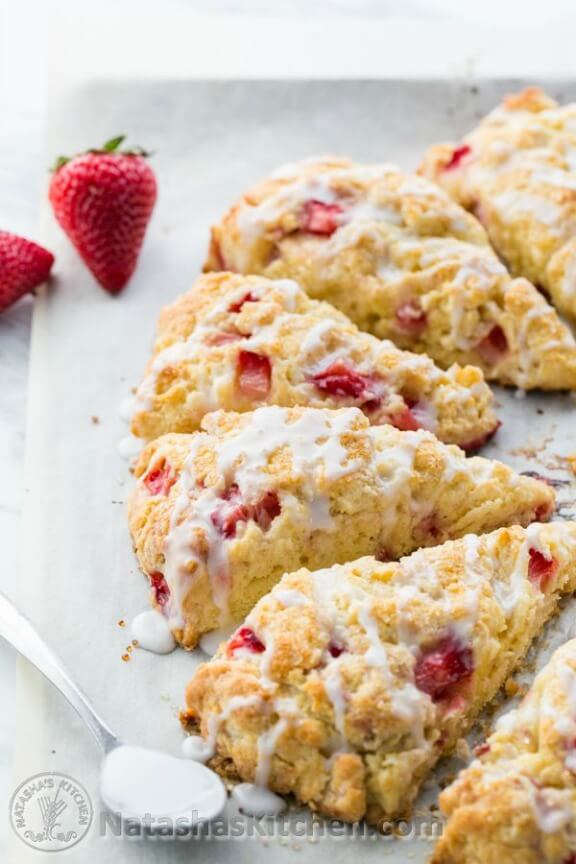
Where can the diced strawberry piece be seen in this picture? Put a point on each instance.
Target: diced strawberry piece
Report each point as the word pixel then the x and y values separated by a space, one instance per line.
pixel 266 510
pixel 254 375
pixel 459 154
pixel 247 639
pixel 494 346
pixel 439 669
pixel 482 749
pixel 405 420
pixel 160 479
pixel 233 510
pixel 477 443
pixel 247 298
pixel 223 338
pixel 321 218
pixel 335 649
pixel 338 379
pixel 410 317
pixel 541 570
pixel 160 588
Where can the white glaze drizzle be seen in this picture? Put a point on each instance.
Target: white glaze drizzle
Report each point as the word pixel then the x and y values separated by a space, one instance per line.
pixel 152 631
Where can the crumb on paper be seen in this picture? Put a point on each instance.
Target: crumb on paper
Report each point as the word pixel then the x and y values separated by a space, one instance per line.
pixel 135 643
pixel 95 420
pixel 512 688
pixel 121 623
pixel 126 657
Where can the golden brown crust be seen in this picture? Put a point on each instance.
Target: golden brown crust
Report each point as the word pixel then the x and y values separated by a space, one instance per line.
pixel 517 175
pixel 305 487
pixel 204 337
pixel 403 261
pixel 517 801
pixel 350 683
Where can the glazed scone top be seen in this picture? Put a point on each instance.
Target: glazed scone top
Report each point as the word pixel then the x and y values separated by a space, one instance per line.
pixel 237 342
pixel 397 255
pixel 382 661
pixel 517 172
pixel 270 483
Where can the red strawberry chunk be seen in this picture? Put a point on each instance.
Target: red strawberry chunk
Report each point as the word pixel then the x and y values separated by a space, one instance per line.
pixel 459 154
pixel 254 375
pixel 410 317
pixel 160 588
pixel 233 510
pixel 405 420
pixel 23 266
pixel 477 443
pixel 321 218
pixel 494 346
pixel 541 570
pixel 335 649
pixel 340 380
pixel 247 298
pixel 247 639
pixel 439 669
pixel 160 479
pixel 223 338
pixel 482 749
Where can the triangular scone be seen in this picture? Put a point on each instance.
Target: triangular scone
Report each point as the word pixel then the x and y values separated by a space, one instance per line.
pixel 404 262
pixel 217 517
pixel 516 803
pixel 238 342
pixel 516 171
pixel 344 687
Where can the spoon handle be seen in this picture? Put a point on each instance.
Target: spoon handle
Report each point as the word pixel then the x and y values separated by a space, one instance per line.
pixel 17 630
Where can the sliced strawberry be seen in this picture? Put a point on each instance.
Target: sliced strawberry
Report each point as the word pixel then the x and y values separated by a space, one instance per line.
pixel 459 154
pixel 254 375
pixel 494 346
pixel 410 317
pixel 160 479
pixel 341 380
pixel 541 570
pixel 247 639
pixel 439 669
pixel 247 298
pixel 321 218
pixel 477 443
pixel 224 338
pixel 160 588
pixel 266 510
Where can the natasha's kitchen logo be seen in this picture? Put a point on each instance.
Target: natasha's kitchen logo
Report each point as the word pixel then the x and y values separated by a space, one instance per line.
pixel 51 811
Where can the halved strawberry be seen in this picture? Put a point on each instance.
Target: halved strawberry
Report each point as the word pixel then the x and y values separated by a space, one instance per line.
pixel 541 570
pixel 254 375
pixel 320 218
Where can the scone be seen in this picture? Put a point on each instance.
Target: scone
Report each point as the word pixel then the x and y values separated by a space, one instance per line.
pixel 404 262
pixel 516 172
pixel 218 516
pixel 345 686
pixel 237 342
pixel 516 803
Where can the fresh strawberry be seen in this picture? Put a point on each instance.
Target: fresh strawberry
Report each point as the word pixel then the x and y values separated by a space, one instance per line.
pixel 321 218
pixel 254 375
pixel 541 570
pixel 410 317
pixel 440 668
pixel 23 266
pixel 494 346
pixel 459 154
pixel 245 638
pixel 103 200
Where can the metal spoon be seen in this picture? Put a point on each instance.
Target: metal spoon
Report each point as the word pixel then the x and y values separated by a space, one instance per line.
pixel 151 782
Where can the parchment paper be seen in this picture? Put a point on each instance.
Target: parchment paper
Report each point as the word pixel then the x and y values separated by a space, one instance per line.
pixel 79 575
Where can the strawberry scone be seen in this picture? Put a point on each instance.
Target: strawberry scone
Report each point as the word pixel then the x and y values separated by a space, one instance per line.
pixel 345 686
pixel 517 802
pixel 218 516
pixel 238 342
pixel 403 261
pixel 517 172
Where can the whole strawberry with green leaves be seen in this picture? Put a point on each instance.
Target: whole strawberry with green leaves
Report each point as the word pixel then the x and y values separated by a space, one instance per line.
pixel 103 199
